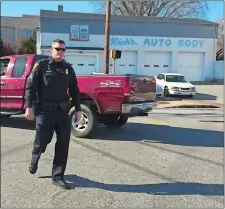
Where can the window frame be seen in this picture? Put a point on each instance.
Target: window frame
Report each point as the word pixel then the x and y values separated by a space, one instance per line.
pixel 87 33
pixel 28 31
pixel 79 32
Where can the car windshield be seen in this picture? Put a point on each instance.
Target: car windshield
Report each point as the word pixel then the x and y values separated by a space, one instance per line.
pixel 175 78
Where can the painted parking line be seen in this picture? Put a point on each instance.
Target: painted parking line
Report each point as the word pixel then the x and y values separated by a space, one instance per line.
pixel 162 123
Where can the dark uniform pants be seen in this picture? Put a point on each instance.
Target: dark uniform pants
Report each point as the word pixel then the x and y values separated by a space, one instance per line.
pixel 46 124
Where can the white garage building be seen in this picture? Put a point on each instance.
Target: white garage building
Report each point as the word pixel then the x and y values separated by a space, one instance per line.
pixel 149 45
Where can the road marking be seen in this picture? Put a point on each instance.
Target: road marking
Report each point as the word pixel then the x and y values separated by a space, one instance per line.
pixel 160 123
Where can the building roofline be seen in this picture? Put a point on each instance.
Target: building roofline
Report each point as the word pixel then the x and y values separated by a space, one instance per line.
pixel 21 17
pixel 60 14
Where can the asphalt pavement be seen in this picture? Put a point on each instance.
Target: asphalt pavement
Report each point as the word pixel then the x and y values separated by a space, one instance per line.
pixel 172 158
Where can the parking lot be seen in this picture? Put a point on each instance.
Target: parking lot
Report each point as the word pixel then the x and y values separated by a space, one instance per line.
pixel 172 158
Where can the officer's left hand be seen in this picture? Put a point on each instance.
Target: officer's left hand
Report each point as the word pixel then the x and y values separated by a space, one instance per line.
pixel 78 116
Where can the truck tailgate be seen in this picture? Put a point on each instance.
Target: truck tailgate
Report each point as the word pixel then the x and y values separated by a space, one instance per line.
pixel 141 88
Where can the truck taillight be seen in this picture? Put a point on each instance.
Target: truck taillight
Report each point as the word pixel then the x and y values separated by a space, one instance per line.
pixel 127 94
pixel 128 88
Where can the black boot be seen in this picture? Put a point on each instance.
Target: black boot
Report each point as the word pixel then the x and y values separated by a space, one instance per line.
pixel 61 183
pixel 33 168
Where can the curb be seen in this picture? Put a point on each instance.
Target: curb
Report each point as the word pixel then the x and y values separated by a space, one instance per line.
pixel 190 104
pixel 194 106
pixel 182 108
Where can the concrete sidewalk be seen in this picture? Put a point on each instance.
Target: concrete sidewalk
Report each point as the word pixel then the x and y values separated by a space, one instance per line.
pixel 207 95
pixel 190 103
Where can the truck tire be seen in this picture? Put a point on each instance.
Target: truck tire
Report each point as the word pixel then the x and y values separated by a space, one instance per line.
pixel 89 124
pixel 115 121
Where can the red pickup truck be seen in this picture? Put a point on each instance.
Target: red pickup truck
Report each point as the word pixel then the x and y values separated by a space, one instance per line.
pixel 108 99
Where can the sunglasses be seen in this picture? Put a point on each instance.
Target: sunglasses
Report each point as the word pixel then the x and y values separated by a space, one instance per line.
pixel 60 49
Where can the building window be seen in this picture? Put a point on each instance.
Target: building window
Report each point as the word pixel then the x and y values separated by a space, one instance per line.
pixel 79 33
pixel 84 33
pixel 30 32
pixel 74 32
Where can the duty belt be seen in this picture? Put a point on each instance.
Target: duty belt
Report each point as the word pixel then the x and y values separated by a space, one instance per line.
pixel 56 106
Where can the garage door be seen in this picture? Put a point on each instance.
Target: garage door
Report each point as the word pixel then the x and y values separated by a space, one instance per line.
pixel 155 63
pixel 83 64
pixel 190 64
pixel 127 64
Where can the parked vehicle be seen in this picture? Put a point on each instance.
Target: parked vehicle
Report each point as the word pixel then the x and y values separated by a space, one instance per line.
pixel 108 99
pixel 159 91
pixel 175 84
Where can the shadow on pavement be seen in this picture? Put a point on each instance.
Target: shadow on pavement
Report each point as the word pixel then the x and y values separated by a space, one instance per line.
pixel 18 122
pixel 177 188
pixel 163 134
pixel 139 132
pixel 201 96
pixel 198 96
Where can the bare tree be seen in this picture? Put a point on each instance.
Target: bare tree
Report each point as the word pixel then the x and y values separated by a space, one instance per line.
pixel 173 9
pixel 220 40
pixel 220 34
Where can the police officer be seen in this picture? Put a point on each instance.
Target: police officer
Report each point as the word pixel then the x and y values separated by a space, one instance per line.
pixel 51 83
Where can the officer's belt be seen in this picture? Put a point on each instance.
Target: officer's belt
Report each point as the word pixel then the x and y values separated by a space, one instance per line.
pixel 55 105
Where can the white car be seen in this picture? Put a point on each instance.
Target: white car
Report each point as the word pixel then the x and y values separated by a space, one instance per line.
pixel 175 84
pixel 159 91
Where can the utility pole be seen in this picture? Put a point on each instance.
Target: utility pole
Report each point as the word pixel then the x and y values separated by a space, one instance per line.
pixel 107 35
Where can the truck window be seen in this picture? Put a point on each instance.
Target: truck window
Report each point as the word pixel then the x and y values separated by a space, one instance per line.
pixel 3 66
pixel 19 67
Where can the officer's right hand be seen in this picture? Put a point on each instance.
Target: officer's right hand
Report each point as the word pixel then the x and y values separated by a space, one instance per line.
pixel 29 114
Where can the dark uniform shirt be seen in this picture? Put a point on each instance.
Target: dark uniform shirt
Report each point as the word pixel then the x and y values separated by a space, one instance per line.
pixel 54 82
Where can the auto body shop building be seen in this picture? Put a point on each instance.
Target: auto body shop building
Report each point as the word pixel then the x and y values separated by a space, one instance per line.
pixel 149 45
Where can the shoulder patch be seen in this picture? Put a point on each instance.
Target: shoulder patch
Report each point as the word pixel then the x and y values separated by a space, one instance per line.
pixel 35 66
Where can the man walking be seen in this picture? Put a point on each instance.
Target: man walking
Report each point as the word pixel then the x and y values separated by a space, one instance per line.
pixel 49 87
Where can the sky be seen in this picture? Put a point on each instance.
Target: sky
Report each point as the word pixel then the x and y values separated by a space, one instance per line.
pixel 33 8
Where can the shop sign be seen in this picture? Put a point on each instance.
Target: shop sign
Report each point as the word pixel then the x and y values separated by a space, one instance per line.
pixel 157 42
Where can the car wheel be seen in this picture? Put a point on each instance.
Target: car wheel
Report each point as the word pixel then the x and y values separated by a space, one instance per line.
pixel 115 121
pixel 85 128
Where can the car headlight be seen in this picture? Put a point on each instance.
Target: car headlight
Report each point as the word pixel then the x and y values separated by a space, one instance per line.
pixel 193 88
pixel 175 88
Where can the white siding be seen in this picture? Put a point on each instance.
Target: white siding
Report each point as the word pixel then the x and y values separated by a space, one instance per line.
pixel 199 58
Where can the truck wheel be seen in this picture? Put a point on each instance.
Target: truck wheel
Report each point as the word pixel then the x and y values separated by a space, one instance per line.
pixel 84 129
pixel 115 121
